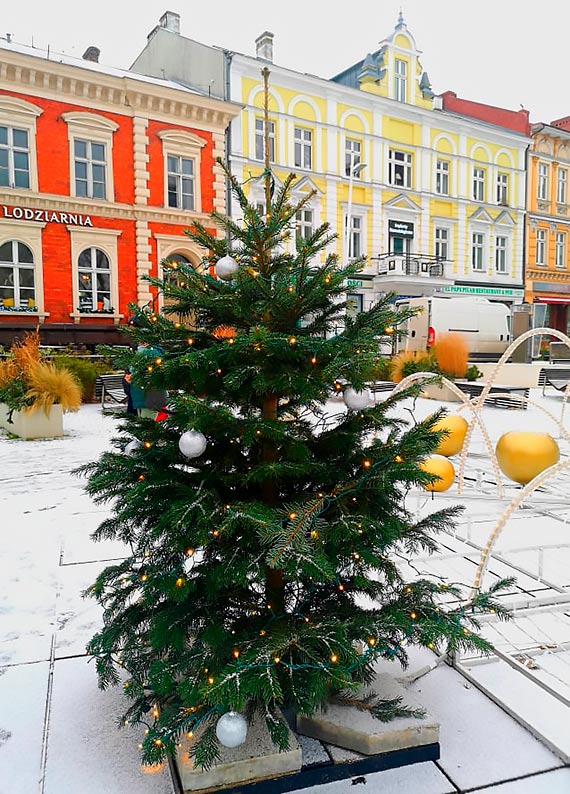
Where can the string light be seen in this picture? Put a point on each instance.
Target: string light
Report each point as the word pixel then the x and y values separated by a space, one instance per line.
pixel 219 371
pixel 356 555
pixel 262 633
pixel 388 330
pixel 149 369
pixel 313 360
pixel 141 478
pixel 158 742
pixel 158 361
pixel 210 680
pixel 292 516
pixel 235 653
pixel 341 587
pixel 216 533
pixel 367 464
pixel 292 340
pixel 334 658
pixel 372 641
pixel 399 459
pixel 258 432
pixel 413 615
pixel 179 582
pixel 147 444
pixel 144 577
pixel 190 342
pixel 276 659
pixel 314 534
pixel 190 734
pixel 190 552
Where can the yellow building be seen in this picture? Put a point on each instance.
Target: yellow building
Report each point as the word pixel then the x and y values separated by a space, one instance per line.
pixel 547 273
pixel 430 188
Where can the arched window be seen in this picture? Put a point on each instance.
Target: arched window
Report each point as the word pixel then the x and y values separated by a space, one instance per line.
pixel 94 271
pixel 17 276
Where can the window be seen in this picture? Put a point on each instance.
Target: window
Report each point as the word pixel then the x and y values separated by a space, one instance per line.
pixel 352 155
pixel 354 237
pixel 441 242
pixel 303 148
pixel 502 188
pixel 94 284
pixel 478 184
pixel 541 247
pixel 14 157
pixel 304 227
pixel 354 303
pixel 181 182
pixel 90 169
pixel 477 250
pixel 543 181
pixel 561 186
pixel 442 177
pixel 399 168
pixel 18 167
pixel 400 79
pixel 501 254
pixel 182 152
pixel 17 276
pixel 561 249
pixel 90 147
pixel 260 139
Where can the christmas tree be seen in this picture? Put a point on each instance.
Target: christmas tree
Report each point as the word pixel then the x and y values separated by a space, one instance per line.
pixel 265 528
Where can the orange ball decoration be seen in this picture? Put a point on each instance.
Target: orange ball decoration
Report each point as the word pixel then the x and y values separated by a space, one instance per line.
pixel 453 443
pixel 523 455
pixel 441 467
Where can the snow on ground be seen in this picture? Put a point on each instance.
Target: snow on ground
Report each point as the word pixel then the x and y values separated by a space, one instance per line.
pixel 57 730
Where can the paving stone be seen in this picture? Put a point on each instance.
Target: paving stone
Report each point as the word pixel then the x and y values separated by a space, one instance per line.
pixel 314 753
pixel 256 759
pixel 556 782
pixel 347 727
pixel 423 778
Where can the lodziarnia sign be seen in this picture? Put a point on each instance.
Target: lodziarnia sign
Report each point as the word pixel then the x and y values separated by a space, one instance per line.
pixel 45 216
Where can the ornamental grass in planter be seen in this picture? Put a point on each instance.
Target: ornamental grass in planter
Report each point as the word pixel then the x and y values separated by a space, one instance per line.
pixel 29 384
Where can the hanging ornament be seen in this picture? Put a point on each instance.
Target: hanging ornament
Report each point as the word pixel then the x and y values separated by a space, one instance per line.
pixel 133 446
pixel 457 429
pixel 523 455
pixel 441 467
pixel 231 729
pixel 192 443
pixel 356 400
pixel 226 268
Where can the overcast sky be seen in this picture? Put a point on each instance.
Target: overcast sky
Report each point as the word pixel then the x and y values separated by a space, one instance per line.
pixel 503 52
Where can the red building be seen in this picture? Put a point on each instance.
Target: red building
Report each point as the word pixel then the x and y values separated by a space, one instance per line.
pixel 101 170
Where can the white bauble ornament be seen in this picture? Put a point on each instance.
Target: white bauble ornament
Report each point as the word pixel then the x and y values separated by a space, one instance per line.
pixel 192 443
pixel 356 400
pixel 133 446
pixel 231 729
pixel 226 268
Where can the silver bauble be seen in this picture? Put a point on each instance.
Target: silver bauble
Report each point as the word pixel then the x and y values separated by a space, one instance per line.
pixel 226 268
pixel 192 443
pixel 356 400
pixel 133 446
pixel 231 729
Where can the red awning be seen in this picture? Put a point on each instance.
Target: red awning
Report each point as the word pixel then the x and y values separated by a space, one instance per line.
pixel 552 300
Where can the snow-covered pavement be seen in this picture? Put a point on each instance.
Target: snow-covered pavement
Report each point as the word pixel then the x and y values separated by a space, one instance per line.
pixel 58 732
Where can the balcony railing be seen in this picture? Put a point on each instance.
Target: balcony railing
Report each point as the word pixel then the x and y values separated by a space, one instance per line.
pixel 420 265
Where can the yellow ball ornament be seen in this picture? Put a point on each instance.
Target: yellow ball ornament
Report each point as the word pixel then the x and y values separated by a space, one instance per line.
pixel 521 456
pixel 440 467
pixel 457 427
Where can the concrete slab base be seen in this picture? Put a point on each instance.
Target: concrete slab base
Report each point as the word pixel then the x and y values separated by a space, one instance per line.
pixel 33 424
pixel 255 760
pixel 359 731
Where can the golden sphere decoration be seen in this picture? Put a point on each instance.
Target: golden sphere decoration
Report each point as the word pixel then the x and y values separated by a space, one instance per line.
pixel 440 467
pixel 523 455
pixel 457 427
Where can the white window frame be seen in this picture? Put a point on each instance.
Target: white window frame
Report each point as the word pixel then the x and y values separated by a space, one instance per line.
pixel 356 233
pixel 182 179
pixel 92 271
pixel 352 155
pixel 304 227
pixel 19 114
pixel 502 188
pixel 479 185
pixel 542 183
pixel 561 185
pixel 442 170
pixel 179 143
pixel 400 80
pixel 98 129
pixel 560 257
pixel 541 243
pixel 259 139
pixel 501 254
pixel 303 148
pixel 478 251
pixel 400 161
pixel 107 241
pixel 442 242
pixel 29 234
pixel 16 266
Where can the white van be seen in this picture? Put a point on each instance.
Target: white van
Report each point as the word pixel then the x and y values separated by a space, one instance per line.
pixel 484 324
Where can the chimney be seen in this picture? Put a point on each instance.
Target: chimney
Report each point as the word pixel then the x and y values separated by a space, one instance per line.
pixel 170 20
pixel 92 54
pixel 264 46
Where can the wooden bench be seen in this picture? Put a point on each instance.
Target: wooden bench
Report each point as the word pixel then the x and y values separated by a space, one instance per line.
pixel 109 388
pixel 557 377
pixel 474 389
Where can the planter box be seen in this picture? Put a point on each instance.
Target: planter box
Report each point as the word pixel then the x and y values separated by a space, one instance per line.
pixel 33 424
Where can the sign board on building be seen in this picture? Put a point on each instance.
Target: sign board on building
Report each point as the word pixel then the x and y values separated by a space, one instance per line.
pixel 45 216
pixel 400 228
pixel 487 292
pixel 546 286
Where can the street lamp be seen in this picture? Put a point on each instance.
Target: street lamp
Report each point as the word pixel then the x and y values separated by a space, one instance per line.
pixel 355 171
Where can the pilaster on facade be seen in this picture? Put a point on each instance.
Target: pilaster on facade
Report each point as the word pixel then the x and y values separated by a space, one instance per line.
pixel 141 159
pixel 144 261
pixel 219 176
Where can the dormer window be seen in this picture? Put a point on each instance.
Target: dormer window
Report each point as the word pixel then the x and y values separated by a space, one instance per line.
pixel 400 80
